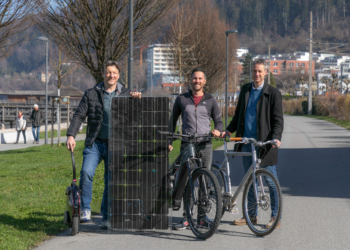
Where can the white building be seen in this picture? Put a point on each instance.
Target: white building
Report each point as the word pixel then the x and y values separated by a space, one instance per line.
pixel 160 60
pixel 242 52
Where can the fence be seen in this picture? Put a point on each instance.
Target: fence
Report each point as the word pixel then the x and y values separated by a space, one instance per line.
pixel 9 112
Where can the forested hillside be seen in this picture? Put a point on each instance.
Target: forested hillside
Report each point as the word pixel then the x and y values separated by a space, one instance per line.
pixel 285 23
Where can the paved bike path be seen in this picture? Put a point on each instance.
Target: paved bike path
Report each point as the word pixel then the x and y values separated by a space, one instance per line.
pixel 314 174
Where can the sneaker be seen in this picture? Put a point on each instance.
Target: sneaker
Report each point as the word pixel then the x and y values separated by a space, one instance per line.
pixel 182 225
pixel 16 142
pixel 85 216
pixel 105 224
pixel 37 142
pixel 205 222
pixel 34 142
pixel 271 222
pixel 243 222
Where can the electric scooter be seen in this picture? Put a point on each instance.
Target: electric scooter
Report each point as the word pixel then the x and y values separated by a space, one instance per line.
pixel 73 194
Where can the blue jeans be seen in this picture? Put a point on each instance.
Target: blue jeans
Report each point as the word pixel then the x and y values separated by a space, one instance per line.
pixel 247 162
pixel 92 156
pixel 36 136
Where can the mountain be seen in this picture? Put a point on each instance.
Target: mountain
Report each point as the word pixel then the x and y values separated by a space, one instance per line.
pixel 286 23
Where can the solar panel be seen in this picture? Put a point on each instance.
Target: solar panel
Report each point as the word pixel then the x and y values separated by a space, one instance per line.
pixel 139 163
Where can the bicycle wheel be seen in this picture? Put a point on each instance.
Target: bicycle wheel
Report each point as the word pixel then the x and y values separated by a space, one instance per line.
pixel 204 207
pixel 259 213
pixel 220 177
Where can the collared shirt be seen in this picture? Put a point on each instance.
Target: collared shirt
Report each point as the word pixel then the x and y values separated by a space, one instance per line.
pixel 250 125
pixel 107 102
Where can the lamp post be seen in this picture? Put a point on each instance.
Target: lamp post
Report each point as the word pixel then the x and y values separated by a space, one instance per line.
pixel 226 87
pixel 46 82
pixel 151 61
pixel 131 44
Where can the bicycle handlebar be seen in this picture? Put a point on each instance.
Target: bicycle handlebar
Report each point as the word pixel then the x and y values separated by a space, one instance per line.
pixel 244 140
pixel 189 136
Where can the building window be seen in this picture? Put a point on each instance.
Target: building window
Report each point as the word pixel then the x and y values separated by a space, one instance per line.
pixel 296 64
pixel 302 64
pixel 291 64
pixel 275 64
pixel 302 72
pixel 275 71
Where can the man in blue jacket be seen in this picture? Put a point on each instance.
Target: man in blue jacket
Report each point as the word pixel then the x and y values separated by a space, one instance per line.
pixel 196 109
pixel 96 106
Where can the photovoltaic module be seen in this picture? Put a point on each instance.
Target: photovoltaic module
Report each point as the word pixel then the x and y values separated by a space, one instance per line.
pixel 139 163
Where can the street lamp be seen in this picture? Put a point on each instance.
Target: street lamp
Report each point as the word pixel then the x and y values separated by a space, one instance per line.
pixel 226 88
pixel 46 81
pixel 131 45
pixel 151 61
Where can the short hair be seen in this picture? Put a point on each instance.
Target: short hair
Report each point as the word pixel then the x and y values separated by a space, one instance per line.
pixel 36 106
pixel 198 70
pixel 260 61
pixel 111 63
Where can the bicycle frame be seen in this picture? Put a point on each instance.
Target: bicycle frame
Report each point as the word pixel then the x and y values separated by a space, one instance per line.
pixel 191 157
pixel 225 168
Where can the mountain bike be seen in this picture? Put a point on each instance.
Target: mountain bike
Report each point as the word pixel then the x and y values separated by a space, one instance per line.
pixel 258 198
pixel 202 198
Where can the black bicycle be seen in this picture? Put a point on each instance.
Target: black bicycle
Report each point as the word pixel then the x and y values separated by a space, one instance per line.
pixel 203 202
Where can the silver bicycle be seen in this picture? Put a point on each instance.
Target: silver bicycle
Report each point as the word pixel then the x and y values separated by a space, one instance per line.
pixel 262 196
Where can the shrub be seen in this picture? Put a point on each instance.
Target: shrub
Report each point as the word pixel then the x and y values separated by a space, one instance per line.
pixel 337 106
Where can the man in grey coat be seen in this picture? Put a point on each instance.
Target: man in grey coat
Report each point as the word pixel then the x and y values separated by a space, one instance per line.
pixel 196 109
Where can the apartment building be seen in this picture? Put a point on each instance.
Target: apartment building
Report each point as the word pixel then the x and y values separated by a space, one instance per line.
pixel 160 62
pixel 279 67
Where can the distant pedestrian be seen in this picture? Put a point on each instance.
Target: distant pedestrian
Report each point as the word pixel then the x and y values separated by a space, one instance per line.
pixel 21 126
pixel 36 118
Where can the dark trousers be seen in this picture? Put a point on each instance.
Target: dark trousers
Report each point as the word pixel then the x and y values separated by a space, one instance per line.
pixel 206 151
pixel 24 135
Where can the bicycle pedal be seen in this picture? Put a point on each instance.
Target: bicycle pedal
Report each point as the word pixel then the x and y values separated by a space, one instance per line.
pixel 234 211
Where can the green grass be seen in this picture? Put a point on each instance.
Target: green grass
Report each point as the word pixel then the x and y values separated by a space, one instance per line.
pixel 32 197
pixel 63 133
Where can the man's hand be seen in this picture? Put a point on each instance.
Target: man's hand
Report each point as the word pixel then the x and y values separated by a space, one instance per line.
pixel 216 133
pixel 135 94
pixel 278 144
pixel 170 148
pixel 71 143
pixel 224 133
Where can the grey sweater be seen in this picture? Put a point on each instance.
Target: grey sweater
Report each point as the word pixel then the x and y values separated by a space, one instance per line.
pixel 196 119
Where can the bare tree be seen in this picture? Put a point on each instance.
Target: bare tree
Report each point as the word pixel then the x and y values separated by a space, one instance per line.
pixel 98 30
pixel 184 24
pixel 208 41
pixel 61 64
pixel 13 20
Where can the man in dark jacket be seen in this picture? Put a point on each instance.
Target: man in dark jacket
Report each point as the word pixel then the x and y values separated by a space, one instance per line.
pixel 196 109
pixel 36 118
pixel 96 106
pixel 259 115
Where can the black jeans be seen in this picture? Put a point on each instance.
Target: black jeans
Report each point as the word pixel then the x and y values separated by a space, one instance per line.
pixel 24 135
pixel 206 151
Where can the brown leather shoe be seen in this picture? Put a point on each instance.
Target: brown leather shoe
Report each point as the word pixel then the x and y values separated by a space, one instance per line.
pixel 243 222
pixel 271 222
